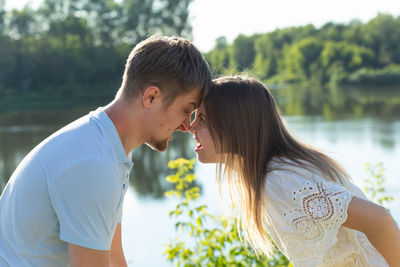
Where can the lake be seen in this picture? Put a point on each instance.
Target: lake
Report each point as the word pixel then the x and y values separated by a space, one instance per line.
pixel 353 125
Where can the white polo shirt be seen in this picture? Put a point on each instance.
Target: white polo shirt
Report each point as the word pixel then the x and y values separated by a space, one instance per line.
pixel 68 189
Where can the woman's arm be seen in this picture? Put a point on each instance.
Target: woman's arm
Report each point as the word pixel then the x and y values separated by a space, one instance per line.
pixel 379 227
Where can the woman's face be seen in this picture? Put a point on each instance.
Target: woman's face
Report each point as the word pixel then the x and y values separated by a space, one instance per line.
pixel 205 149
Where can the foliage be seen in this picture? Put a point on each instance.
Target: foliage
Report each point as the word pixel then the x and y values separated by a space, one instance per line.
pixel 387 75
pixel 335 53
pixel 214 240
pixel 374 184
pixel 68 53
pixel 242 52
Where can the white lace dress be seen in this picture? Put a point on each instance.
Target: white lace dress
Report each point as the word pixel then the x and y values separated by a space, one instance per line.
pixel 304 217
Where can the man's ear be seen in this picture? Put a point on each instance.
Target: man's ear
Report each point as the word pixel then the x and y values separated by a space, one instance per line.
pixel 151 95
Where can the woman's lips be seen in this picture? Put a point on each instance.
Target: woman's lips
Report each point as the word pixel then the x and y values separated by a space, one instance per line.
pixel 199 147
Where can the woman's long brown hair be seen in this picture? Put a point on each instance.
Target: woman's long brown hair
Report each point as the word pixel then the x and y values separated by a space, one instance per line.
pixel 249 132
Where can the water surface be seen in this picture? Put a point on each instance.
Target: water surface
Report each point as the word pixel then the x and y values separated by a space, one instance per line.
pixel 353 125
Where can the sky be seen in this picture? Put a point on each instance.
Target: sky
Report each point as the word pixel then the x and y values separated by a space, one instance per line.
pixel 214 18
pixel 211 19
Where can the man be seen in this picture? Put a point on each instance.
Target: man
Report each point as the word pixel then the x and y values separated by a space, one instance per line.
pixel 63 204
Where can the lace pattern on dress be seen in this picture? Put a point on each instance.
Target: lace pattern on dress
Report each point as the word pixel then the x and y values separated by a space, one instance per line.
pixel 318 206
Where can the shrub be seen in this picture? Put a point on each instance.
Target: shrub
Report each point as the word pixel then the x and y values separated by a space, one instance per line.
pixel 389 75
pixel 214 240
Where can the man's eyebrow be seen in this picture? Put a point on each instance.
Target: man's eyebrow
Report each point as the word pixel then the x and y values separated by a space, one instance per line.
pixel 194 104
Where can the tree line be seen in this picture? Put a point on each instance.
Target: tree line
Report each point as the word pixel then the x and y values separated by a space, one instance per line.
pixel 67 53
pixel 354 53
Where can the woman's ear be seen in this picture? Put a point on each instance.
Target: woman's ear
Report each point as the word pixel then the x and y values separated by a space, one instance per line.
pixel 150 96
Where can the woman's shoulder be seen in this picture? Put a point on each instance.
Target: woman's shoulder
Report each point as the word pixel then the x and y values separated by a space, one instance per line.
pixel 286 178
pixel 289 171
pixel 287 174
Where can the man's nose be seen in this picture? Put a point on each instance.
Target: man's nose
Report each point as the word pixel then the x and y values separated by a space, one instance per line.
pixel 182 128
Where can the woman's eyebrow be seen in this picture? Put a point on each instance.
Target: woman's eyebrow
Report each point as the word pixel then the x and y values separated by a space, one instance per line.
pixel 201 116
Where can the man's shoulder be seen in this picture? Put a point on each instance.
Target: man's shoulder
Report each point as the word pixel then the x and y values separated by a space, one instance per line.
pixel 83 140
pixel 82 132
pixel 82 128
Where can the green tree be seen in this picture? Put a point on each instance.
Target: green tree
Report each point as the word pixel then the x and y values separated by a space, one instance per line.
pixel 383 35
pixel 21 23
pixel 145 17
pixel 344 57
pixel 76 48
pixel 302 59
pixel 269 58
pixel 330 54
pixel 2 15
pixel 332 32
pixel 219 57
pixel 355 33
pixel 389 75
pixel 267 55
pixel 243 52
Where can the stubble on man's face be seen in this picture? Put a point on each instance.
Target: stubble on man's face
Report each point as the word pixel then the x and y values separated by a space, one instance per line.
pixel 158 145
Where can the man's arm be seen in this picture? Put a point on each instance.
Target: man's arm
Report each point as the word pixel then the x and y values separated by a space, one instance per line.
pixel 81 256
pixel 117 253
pixel 379 227
pixel 86 257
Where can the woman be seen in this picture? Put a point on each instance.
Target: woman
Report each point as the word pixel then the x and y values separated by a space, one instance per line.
pixel 300 197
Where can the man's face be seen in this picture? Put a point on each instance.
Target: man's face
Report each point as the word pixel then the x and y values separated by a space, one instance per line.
pixel 172 118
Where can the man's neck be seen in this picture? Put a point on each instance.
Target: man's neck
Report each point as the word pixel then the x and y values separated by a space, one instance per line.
pixel 128 122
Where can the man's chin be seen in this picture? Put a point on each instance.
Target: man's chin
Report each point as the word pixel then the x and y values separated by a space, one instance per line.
pixel 158 146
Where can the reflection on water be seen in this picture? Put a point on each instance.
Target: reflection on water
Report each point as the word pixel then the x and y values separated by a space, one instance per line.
pixel 20 132
pixel 335 103
pixel 151 168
